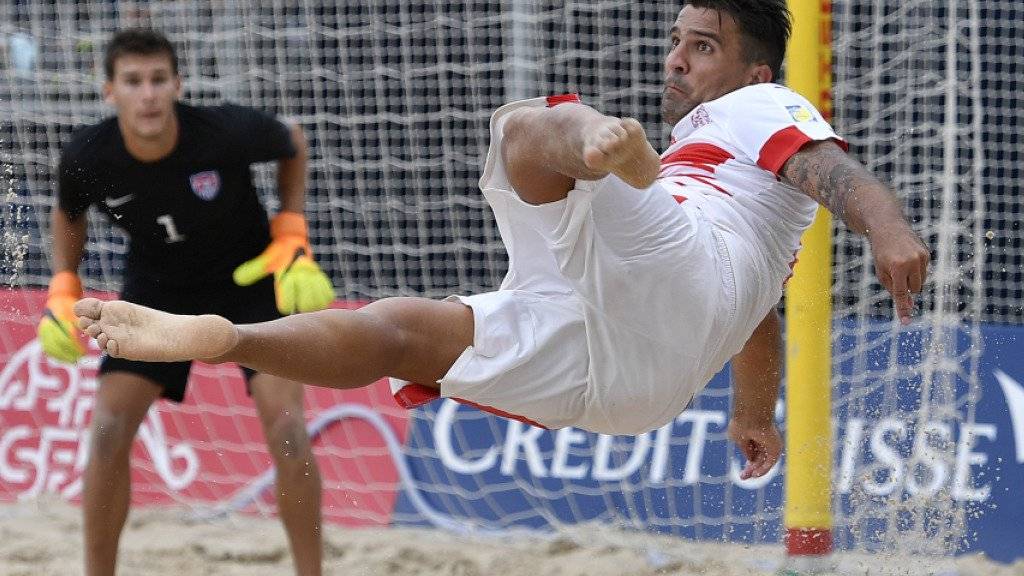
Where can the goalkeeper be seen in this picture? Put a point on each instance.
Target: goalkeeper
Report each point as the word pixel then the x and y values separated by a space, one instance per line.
pixel 176 179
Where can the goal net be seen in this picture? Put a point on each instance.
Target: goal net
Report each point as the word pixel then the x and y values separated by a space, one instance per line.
pixel 395 97
pixel 921 92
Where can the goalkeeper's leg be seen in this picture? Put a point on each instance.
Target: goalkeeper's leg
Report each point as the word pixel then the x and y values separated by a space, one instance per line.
pixel 280 407
pixel 414 339
pixel 122 401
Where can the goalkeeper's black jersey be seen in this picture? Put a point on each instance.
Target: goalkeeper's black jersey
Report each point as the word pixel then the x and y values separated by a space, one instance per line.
pixel 194 215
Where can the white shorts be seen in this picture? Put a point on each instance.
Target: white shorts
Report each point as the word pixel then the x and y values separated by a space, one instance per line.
pixel 612 297
pixel 528 359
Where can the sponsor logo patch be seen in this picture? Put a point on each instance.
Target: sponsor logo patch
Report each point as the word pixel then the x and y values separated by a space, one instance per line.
pixel 801 114
pixel 205 185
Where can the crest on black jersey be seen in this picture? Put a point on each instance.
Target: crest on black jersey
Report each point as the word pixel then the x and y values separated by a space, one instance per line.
pixel 206 185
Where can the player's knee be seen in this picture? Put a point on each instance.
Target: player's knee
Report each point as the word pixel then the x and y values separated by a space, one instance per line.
pixel 110 436
pixel 393 322
pixel 293 456
pixel 287 438
pixel 514 134
pixel 425 336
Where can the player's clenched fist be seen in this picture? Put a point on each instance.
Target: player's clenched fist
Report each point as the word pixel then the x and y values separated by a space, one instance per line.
pixel 760 443
pixel 299 284
pixel 58 329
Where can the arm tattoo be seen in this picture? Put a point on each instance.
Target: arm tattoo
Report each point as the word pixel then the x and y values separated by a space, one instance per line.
pixel 824 172
pixel 836 187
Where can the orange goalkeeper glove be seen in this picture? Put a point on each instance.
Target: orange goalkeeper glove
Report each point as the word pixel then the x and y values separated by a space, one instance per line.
pixel 58 330
pixel 299 283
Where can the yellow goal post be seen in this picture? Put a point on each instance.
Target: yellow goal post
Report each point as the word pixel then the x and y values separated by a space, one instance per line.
pixel 808 495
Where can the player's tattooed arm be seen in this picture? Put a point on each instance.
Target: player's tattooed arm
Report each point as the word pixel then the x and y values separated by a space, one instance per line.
pixel 823 171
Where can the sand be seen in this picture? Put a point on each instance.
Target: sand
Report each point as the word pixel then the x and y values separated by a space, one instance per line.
pixel 43 537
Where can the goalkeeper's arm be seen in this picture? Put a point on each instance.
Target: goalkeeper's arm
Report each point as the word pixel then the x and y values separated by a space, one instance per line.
pixel 68 242
pixel 291 174
pixel 58 328
pixel 299 284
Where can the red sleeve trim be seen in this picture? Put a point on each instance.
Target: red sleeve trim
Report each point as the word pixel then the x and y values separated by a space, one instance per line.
pixel 781 147
pixel 413 395
pixel 783 144
pixel 563 99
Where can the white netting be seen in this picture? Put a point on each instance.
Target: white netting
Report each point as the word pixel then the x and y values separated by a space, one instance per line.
pixel 925 94
pixel 395 98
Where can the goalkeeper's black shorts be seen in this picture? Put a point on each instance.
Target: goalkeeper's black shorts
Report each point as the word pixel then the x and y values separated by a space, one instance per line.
pixel 242 305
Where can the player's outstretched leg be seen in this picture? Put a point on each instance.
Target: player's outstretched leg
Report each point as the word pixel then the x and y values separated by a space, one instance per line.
pixel 620 146
pixel 134 332
pixel 413 339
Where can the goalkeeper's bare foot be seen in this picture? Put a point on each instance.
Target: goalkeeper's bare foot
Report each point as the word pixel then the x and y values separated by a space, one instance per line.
pixel 619 146
pixel 134 332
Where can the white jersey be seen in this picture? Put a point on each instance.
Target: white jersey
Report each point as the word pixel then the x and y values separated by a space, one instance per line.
pixel 725 160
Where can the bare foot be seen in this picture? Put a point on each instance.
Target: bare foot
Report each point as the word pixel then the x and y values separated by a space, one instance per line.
pixel 134 332
pixel 620 147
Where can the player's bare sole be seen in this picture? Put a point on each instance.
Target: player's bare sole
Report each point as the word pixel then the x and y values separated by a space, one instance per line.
pixel 134 332
pixel 620 146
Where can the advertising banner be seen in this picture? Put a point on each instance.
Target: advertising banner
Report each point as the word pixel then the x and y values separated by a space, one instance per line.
pixel 208 450
pixel 453 467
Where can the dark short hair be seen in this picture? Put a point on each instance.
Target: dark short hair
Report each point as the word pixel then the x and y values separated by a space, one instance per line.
pixel 137 41
pixel 765 24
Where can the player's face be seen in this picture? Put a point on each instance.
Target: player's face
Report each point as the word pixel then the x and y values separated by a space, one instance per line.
pixel 143 90
pixel 705 61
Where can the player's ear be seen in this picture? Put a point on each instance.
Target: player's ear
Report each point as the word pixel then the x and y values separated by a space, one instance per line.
pixel 108 92
pixel 760 74
pixel 177 86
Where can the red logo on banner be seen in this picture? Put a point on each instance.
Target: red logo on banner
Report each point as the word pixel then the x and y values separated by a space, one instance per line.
pixel 208 449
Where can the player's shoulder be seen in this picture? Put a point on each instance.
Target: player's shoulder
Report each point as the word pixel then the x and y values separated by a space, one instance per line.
pixel 224 113
pixel 763 94
pixel 224 118
pixel 767 100
pixel 90 143
pixel 218 116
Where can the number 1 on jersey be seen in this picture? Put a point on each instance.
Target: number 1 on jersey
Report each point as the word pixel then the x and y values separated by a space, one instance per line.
pixel 167 221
